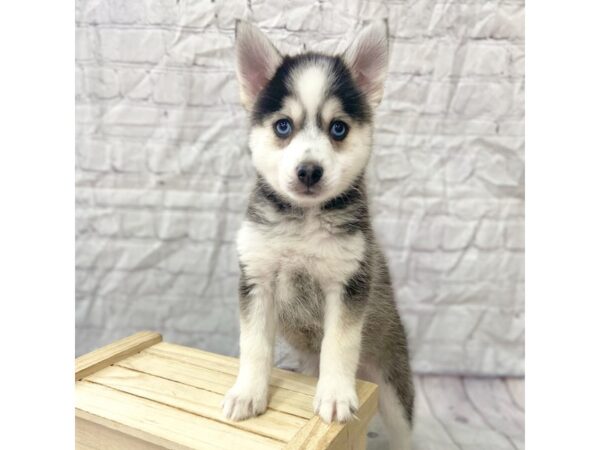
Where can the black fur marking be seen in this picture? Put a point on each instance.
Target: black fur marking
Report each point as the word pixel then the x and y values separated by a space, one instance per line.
pixel 353 101
pixel 351 209
pixel 345 199
pixel 270 99
pixel 356 289
pixel 265 192
pixel 255 214
pixel 264 200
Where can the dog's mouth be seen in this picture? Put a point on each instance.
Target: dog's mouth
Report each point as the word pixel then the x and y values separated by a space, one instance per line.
pixel 305 191
pixel 309 192
pixel 301 191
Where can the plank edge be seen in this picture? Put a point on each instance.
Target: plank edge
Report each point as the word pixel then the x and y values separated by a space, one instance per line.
pixel 109 354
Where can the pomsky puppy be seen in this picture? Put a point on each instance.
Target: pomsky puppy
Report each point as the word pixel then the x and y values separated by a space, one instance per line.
pixel 311 268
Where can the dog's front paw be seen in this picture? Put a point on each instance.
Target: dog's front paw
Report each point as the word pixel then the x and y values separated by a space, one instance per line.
pixel 243 402
pixel 335 401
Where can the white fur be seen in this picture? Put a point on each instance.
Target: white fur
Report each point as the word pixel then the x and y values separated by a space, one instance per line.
pixel 248 396
pixel 336 398
pixel 306 245
pixel 309 84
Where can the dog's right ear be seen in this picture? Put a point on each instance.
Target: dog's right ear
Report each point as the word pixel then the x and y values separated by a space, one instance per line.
pixel 257 59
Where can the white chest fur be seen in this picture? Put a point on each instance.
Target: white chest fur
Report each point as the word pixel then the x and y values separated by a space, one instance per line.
pixel 308 245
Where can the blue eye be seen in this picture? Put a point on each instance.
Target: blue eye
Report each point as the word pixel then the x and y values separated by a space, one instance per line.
pixel 338 130
pixel 283 128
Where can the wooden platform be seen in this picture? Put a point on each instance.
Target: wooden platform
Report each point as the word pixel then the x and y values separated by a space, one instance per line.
pixel 143 393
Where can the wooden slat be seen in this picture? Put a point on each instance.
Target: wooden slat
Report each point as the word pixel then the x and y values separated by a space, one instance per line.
pixel 284 400
pixel 105 356
pixel 451 406
pixel 91 436
pixel 281 378
pixel 273 424
pixel 317 435
pixel 159 424
pixel 493 402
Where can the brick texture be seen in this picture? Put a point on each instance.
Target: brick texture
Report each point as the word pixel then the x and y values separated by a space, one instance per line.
pixel 163 169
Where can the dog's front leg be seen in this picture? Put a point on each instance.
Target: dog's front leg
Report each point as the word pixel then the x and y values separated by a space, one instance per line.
pixel 336 398
pixel 248 396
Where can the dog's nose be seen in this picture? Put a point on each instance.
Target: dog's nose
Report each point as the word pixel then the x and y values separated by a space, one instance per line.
pixel 309 173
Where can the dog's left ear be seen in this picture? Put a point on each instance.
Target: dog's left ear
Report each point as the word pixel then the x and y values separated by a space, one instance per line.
pixel 367 59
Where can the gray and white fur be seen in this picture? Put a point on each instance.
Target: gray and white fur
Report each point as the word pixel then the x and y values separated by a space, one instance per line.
pixel 311 268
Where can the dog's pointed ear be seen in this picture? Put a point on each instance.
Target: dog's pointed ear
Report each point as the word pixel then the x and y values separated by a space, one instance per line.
pixel 367 59
pixel 257 59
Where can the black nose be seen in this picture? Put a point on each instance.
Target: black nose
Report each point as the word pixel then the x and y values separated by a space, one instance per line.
pixel 309 173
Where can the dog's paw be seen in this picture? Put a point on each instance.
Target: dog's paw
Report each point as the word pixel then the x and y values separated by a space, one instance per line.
pixel 335 401
pixel 243 402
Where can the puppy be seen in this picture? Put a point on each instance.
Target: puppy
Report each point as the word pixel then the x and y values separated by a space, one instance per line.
pixel 311 268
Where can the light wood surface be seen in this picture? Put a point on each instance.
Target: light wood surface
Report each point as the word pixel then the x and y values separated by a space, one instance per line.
pixel 226 364
pixel 112 353
pixel 273 424
pixel 91 436
pixel 284 400
pixel 141 390
pixel 162 425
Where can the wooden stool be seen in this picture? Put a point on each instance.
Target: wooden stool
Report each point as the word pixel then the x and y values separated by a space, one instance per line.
pixel 141 393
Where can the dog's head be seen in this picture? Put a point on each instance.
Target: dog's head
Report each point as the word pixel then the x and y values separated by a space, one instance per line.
pixel 311 113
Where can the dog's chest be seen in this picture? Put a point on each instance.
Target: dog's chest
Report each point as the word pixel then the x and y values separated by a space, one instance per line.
pixel 275 254
pixel 297 263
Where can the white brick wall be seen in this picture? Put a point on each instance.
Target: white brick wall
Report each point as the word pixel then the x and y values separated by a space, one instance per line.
pixel 163 171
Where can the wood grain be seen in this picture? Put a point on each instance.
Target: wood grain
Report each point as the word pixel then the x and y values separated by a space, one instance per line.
pixel 92 436
pixel 273 424
pixel 160 424
pixel 112 353
pixel 281 378
pixel 280 399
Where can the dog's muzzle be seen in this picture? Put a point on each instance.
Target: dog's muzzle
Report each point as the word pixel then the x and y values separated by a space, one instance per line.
pixel 309 173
